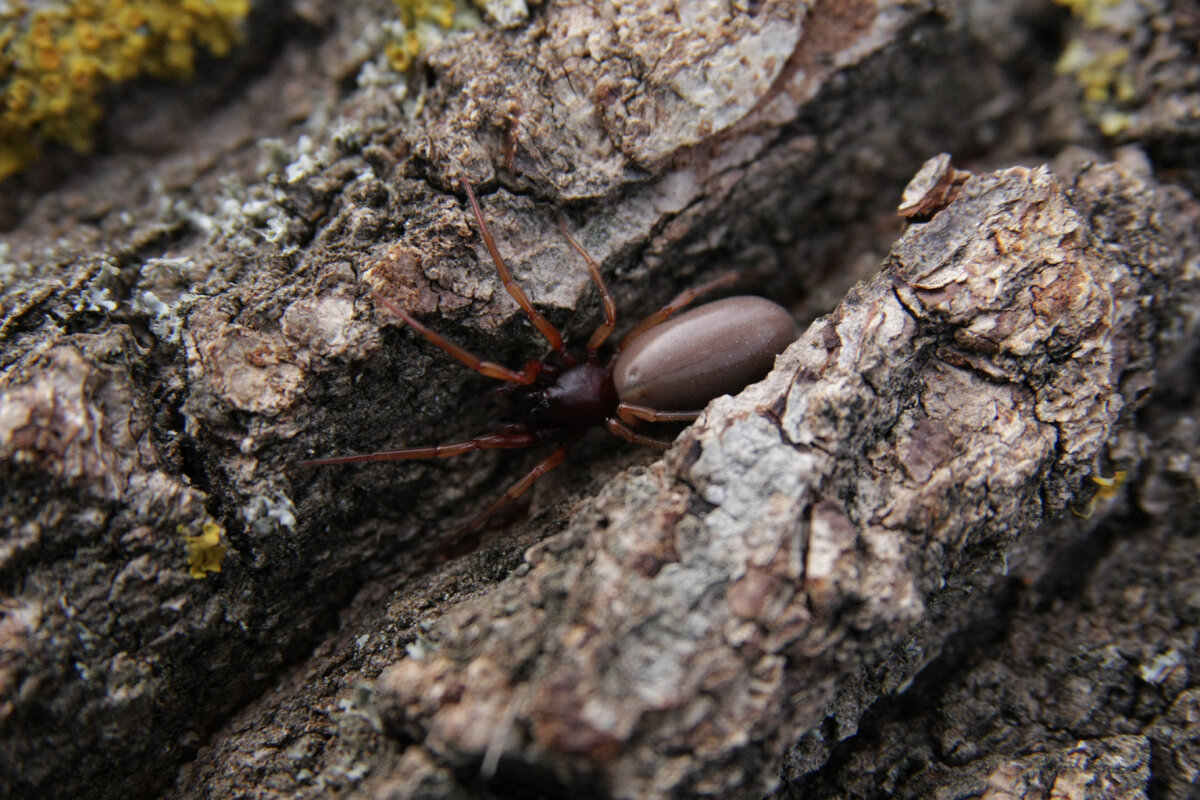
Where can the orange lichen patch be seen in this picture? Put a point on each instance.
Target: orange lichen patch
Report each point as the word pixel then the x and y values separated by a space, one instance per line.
pixel 56 57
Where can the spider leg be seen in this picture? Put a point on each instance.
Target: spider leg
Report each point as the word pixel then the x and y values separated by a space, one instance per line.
pixel 629 414
pixel 632 413
pixel 489 368
pixel 610 307
pixel 619 428
pixel 512 287
pixel 681 301
pixel 517 489
pixel 510 439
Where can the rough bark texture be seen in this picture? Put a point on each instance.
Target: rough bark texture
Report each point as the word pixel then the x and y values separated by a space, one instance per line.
pixel 908 531
pixel 798 535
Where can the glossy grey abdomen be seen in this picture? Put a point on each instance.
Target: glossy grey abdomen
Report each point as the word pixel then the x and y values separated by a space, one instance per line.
pixel 718 348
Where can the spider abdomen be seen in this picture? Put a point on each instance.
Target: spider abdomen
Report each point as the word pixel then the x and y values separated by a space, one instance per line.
pixel 715 349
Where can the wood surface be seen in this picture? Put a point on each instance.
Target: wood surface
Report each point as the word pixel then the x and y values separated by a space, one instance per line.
pixel 946 548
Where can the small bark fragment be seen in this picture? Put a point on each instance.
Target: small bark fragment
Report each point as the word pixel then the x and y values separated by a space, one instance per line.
pixel 933 188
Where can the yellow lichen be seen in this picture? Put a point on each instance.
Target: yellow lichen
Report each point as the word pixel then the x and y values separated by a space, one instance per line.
pixel 57 56
pixel 1098 74
pixel 1109 486
pixel 422 24
pixel 1094 13
pixel 1101 61
pixel 1107 489
pixel 206 551
pixel 1114 123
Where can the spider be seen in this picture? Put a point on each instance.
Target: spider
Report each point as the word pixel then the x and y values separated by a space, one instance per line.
pixel 666 369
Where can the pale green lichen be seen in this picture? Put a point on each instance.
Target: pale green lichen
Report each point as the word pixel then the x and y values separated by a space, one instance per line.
pixel 101 293
pixel 267 513
pixel 57 56
pixel 11 270
pixel 504 13
pixel 166 319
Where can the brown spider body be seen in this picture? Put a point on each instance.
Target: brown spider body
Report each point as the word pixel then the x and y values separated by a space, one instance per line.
pixel 580 397
pixel 664 370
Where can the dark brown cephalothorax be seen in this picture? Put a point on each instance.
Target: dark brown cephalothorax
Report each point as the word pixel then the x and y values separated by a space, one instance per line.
pixel 666 369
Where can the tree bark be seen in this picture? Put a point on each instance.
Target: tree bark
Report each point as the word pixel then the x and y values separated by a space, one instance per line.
pixel 921 501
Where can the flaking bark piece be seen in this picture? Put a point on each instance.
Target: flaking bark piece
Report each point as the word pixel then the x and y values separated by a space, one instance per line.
pixel 933 188
pixel 700 615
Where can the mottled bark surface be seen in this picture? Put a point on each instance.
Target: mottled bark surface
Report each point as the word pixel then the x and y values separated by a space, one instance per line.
pixel 911 530
pixel 798 535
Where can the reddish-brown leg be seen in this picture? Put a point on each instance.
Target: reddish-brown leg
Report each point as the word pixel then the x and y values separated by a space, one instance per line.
pixel 509 440
pixel 681 301
pixel 632 414
pixel 512 287
pixel 610 307
pixel 619 428
pixel 490 369
pixel 517 489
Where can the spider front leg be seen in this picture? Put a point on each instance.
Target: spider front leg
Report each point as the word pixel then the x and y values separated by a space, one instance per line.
pixel 526 376
pixel 512 287
pixel 629 414
pixel 632 413
pixel 681 301
pixel 623 431
pixel 517 489
pixel 610 307
pixel 512 438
